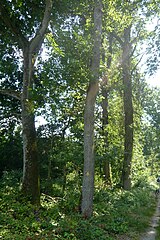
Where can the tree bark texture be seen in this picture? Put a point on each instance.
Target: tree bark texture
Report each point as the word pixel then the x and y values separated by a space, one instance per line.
pixel 88 171
pixel 30 183
pixel 30 48
pixel 106 165
pixel 105 95
pixel 128 110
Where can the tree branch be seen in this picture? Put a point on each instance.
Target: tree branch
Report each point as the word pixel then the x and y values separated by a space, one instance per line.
pixel 12 114
pixel 135 39
pixel 11 93
pixel 37 40
pixel 134 49
pixel 117 38
pixel 134 67
pixel 12 24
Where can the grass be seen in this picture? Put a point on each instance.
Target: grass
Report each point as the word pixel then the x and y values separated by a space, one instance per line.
pixel 117 214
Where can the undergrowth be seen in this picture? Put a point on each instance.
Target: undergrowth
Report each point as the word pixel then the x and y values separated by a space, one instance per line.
pixel 116 213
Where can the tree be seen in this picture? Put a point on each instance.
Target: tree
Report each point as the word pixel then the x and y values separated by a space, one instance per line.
pixel 88 171
pixel 15 17
pixel 128 110
pixel 105 114
pixel 127 40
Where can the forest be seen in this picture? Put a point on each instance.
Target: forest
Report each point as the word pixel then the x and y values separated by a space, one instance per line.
pixel 79 123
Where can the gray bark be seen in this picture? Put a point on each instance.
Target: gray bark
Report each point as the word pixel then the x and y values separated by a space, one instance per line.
pixel 88 171
pixel 128 110
pixel 30 183
pixel 105 94
pixel 128 105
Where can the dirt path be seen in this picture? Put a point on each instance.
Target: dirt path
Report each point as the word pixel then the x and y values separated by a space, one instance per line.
pixel 151 232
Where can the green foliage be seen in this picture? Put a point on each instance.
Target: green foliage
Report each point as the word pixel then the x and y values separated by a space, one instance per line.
pixel 125 211
pixel 60 83
pixel 24 15
pixel 116 213
pixel 10 148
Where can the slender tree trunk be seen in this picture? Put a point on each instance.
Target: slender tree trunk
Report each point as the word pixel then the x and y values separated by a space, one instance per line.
pixel 105 94
pixel 128 110
pixel 30 48
pixel 30 183
pixel 106 166
pixel 64 178
pixel 50 158
pixel 88 171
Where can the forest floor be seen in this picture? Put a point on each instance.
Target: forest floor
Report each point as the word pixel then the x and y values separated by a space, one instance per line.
pixel 151 231
pixel 118 214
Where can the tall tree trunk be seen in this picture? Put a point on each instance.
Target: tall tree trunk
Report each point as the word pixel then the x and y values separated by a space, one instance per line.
pixel 105 94
pixel 128 110
pixel 106 166
pixel 30 183
pixel 88 171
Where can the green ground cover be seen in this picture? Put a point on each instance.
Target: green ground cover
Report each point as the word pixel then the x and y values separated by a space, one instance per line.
pixel 117 214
